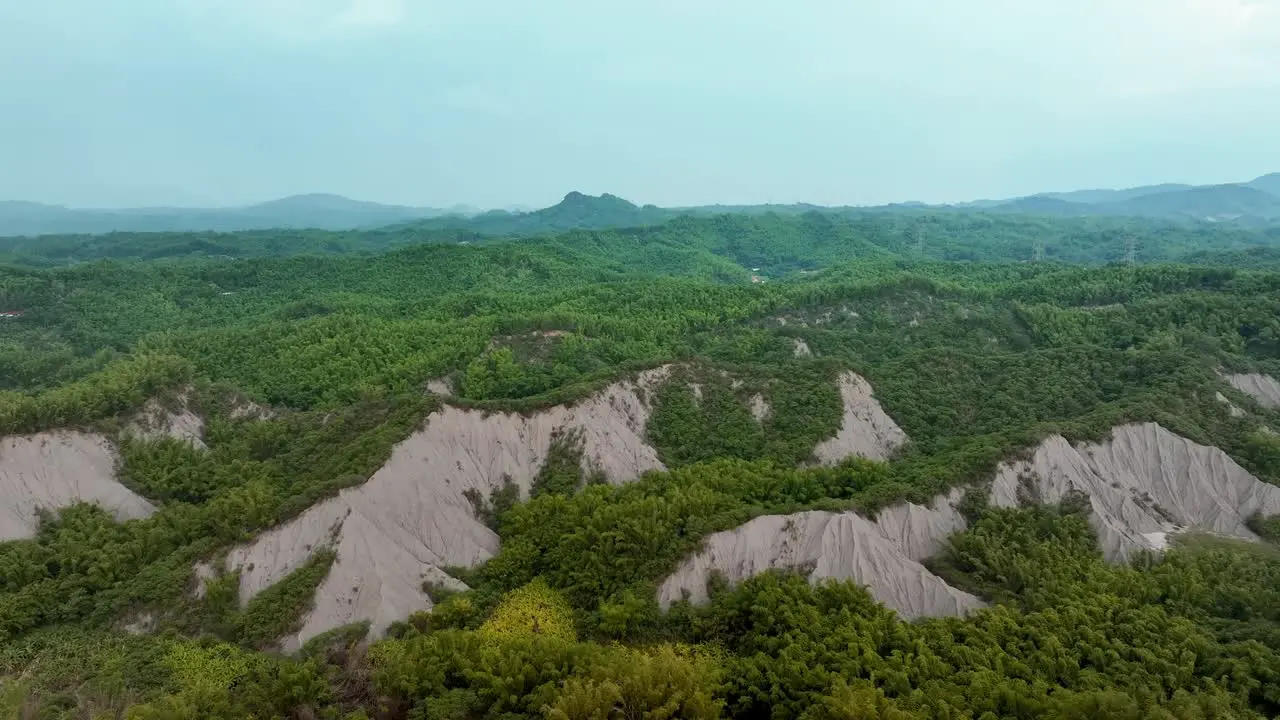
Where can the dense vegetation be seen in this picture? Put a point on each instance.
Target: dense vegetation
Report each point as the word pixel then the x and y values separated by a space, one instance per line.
pixel 776 239
pixel 1252 204
pixel 975 356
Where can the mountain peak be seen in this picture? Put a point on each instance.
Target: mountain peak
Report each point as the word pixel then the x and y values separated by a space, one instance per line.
pixel 578 199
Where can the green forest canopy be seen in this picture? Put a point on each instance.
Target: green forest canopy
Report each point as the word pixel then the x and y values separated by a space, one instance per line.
pixel 782 239
pixel 976 353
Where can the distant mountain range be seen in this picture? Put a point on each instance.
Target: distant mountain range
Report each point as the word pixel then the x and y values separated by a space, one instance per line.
pixel 1253 203
pixel 319 211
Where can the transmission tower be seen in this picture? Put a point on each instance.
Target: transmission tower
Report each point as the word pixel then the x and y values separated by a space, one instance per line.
pixel 1037 251
pixel 1130 250
pixel 919 236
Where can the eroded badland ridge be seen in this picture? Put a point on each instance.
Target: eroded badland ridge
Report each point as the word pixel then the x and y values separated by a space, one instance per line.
pixel 752 464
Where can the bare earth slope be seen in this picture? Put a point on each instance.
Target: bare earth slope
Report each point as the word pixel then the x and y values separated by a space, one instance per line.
pixel 56 469
pixel 1142 484
pixel 882 555
pixel 155 421
pixel 866 430
pixel 414 518
pixel 1263 388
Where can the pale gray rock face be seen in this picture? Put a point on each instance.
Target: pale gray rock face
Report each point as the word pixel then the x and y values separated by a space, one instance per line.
pixel 55 469
pixel 921 531
pixel 155 421
pixel 1231 407
pixel 760 408
pixel 1142 485
pixel 1263 388
pixel 415 516
pixel 882 555
pixel 800 348
pixel 439 386
pixel 865 430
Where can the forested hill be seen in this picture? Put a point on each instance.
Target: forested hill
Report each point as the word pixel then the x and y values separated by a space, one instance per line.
pixel 775 242
pixel 1252 204
pixel 575 211
pixel 209 437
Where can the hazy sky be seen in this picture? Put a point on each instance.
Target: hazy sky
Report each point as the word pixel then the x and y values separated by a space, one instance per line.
pixel 500 102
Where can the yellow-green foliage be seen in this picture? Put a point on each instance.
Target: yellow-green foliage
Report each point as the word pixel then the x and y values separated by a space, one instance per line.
pixel 478 675
pixel 711 657
pixel 534 609
pixel 661 682
pixel 202 676
pixel 198 668
pixel 861 701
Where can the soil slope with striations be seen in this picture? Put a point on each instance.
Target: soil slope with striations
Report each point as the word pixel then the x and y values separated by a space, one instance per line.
pixel 884 555
pixel 1263 388
pixel 417 515
pixel 52 470
pixel 1141 485
pixel 866 430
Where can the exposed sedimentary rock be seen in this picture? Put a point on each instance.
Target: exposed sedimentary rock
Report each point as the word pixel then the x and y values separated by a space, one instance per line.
pixel 1142 485
pixel 800 348
pixel 204 572
pixel 156 421
pixel 759 407
pixel 417 514
pixel 882 555
pixel 1231 407
pixel 56 469
pixel 921 531
pixel 1263 388
pixel 440 386
pixel 866 431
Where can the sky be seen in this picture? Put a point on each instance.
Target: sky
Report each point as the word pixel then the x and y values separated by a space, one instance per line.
pixel 498 103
